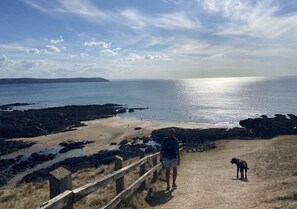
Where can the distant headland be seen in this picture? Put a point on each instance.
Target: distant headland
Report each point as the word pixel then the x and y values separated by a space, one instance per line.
pixel 53 80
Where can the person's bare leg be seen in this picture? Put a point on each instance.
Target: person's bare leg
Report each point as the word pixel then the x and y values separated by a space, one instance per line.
pixel 174 174
pixel 168 176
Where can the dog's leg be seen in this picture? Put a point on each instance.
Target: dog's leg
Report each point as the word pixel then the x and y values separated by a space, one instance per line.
pixel 237 171
pixel 245 173
pixel 241 173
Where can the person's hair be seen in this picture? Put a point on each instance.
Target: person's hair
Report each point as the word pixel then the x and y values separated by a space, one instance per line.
pixel 172 130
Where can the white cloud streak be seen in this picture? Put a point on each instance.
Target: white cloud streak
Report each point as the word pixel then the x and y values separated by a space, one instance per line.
pixel 258 19
pixel 52 49
pixel 178 20
pixel 3 60
pixel 33 51
pixel 57 41
pixel 100 44
pixel 131 17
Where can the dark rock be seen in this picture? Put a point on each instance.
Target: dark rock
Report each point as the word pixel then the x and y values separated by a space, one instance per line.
pixel 270 127
pixel 70 145
pixel 140 108
pixel 33 160
pixel 113 143
pixel 145 139
pixel 36 122
pixel 137 128
pixel 150 149
pixel 122 110
pixel 78 163
pixel 4 178
pixel 200 135
pixel 125 141
pixel 5 163
pixel 8 146
pixel 131 110
pixel 135 138
pixel 11 106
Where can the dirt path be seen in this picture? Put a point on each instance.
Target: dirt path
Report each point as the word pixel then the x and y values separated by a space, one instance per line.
pixel 208 180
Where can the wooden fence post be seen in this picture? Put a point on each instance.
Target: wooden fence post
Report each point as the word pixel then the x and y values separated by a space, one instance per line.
pixel 155 162
pixel 118 164
pixel 142 169
pixel 60 181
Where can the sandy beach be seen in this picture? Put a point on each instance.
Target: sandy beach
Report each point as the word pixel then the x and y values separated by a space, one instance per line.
pixel 105 131
pixel 271 182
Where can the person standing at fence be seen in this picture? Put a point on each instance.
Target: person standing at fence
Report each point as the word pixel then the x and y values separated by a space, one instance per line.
pixel 170 156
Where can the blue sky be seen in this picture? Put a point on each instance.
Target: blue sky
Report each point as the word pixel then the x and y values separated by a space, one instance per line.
pixel 148 38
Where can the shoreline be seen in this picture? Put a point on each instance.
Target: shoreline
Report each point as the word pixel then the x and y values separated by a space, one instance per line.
pixel 104 132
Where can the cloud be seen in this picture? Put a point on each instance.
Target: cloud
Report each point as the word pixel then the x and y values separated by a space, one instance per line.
pixel 101 44
pixel 132 57
pixel 177 20
pixel 261 19
pixel 33 51
pixel 109 52
pixel 131 16
pixel 150 56
pixel 52 49
pixel 82 55
pixel 57 41
pixel 3 60
pixel 82 8
pixel 28 64
pixel 13 48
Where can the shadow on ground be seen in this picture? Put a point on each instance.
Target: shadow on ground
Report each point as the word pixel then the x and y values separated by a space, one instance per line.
pixel 244 180
pixel 159 197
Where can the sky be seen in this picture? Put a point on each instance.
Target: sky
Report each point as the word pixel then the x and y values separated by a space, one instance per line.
pixel 147 39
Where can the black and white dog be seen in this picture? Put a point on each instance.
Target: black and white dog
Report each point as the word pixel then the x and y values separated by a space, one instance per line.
pixel 242 166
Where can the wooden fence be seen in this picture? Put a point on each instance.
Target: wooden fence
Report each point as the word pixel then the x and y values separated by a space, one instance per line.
pixel 199 146
pixel 60 182
pixel 63 196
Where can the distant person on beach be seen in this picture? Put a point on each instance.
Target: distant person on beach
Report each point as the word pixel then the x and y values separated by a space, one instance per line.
pixel 170 156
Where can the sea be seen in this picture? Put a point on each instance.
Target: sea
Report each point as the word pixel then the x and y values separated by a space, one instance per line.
pixel 222 101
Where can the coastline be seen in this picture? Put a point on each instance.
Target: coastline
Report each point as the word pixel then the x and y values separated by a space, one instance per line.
pixel 106 131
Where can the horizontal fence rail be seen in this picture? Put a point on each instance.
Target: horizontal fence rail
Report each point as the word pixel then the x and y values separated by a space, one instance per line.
pixel 198 146
pixel 69 197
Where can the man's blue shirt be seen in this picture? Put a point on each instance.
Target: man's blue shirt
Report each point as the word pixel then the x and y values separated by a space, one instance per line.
pixel 170 147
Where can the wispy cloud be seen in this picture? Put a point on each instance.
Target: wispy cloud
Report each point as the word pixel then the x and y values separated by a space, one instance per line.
pixel 253 18
pixel 178 20
pixel 33 51
pixel 3 60
pixel 52 49
pixel 99 44
pixel 57 41
pixel 28 64
pixel 131 16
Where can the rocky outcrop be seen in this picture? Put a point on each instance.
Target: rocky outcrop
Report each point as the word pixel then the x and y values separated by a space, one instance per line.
pixel 5 163
pixel 70 145
pixel 193 135
pixel 31 162
pixel 39 122
pixel 78 163
pixel 8 146
pixel 266 127
pixel 13 105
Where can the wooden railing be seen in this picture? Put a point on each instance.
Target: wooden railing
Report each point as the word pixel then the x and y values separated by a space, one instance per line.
pixel 199 146
pixel 62 195
pixel 67 198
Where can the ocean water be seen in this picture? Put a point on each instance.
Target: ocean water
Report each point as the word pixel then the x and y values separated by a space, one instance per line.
pixel 207 100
